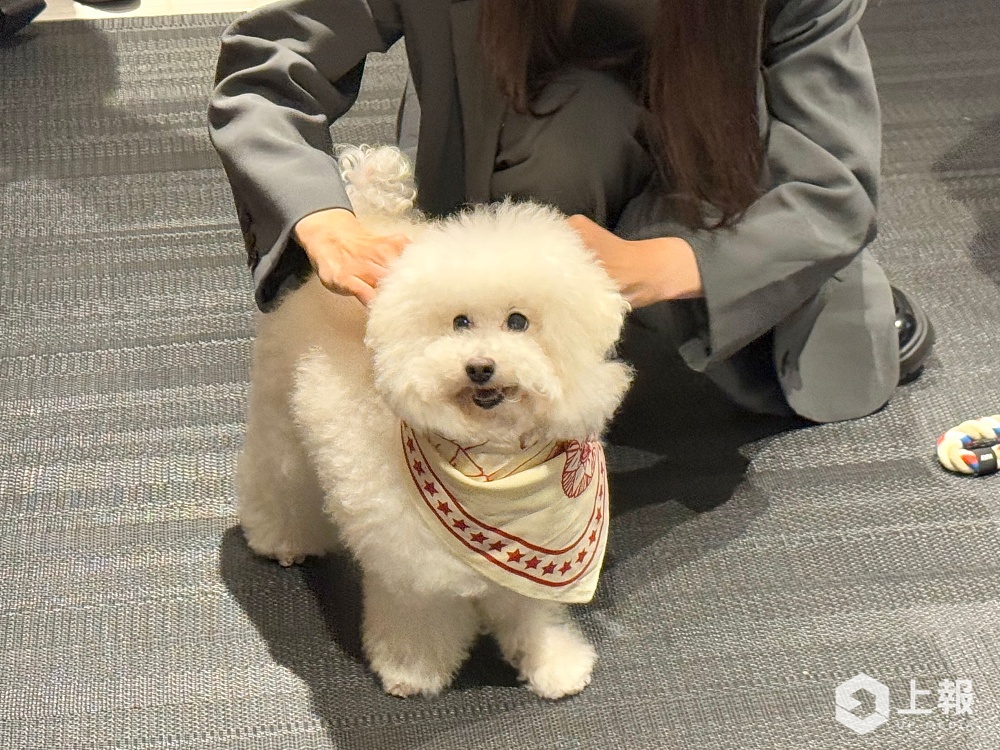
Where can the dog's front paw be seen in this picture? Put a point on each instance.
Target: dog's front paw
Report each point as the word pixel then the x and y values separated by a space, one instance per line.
pixel 284 554
pixel 561 667
pixel 415 642
pixel 404 683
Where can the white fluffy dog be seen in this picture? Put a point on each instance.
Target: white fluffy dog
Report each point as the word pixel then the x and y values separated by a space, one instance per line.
pixel 488 349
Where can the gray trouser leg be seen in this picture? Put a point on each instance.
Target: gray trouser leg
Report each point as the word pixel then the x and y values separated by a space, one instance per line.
pixel 819 347
pixel 583 154
pixel 408 121
pixel 748 378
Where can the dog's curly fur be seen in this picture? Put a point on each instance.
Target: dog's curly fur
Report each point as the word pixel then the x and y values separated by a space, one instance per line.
pixel 322 467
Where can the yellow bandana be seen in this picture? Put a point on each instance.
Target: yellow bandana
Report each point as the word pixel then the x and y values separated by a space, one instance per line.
pixel 535 522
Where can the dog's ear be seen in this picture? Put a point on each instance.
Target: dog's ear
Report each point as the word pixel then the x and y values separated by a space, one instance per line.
pixel 587 324
pixel 590 400
pixel 592 308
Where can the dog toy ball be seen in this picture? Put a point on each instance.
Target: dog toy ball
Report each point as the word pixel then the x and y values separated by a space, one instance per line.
pixel 971 448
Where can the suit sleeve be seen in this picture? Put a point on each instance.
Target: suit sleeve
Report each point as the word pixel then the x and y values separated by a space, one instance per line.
pixel 285 73
pixel 818 211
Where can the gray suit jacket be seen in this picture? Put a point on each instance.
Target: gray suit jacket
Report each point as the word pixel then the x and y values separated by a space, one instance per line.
pixel 795 266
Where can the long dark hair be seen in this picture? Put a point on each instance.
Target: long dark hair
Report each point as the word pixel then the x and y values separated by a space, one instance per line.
pixel 698 83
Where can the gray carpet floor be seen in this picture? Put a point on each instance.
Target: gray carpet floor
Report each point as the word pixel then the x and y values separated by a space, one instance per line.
pixel 739 591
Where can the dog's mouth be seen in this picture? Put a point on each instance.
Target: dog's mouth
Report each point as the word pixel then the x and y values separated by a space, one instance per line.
pixel 490 398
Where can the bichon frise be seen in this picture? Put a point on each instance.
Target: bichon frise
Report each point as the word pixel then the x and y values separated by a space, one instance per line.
pixel 447 435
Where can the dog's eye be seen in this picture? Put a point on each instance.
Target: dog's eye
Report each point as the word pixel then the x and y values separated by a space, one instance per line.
pixel 517 322
pixel 461 322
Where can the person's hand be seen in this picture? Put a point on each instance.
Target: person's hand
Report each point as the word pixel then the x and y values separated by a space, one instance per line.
pixel 646 271
pixel 348 258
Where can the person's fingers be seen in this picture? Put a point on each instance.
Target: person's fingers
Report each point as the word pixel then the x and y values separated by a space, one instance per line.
pixel 378 257
pixel 366 272
pixel 388 248
pixel 363 291
pixel 348 286
pixel 332 275
pixel 354 265
pixel 370 272
pixel 583 228
pixel 334 285
pixel 400 241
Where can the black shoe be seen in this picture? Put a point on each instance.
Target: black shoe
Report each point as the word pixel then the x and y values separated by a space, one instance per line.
pixel 916 336
pixel 17 14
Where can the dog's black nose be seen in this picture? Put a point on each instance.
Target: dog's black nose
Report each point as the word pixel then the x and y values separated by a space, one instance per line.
pixel 480 370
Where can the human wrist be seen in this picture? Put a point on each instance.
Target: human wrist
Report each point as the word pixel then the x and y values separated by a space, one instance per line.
pixel 678 276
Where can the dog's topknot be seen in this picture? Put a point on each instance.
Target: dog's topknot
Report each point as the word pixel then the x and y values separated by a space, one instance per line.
pixel 379 180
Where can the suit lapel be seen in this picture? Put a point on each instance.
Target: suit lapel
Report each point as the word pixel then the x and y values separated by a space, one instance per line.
pixel 483 105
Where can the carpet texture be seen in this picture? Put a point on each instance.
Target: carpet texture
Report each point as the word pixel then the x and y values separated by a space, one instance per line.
pixel 751 570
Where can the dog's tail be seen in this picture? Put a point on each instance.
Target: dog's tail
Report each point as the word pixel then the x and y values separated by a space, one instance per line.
pixel 379 179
